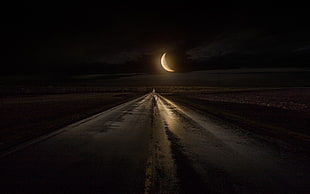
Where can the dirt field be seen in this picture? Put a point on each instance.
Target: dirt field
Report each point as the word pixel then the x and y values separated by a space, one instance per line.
pixel 280 113
pixel 25 117
pixel 296 99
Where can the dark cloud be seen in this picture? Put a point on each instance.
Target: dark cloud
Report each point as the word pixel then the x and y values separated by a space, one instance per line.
pixel 250 42
pixel 47 34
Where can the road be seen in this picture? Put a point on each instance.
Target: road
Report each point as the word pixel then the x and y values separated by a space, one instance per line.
pixel 153 145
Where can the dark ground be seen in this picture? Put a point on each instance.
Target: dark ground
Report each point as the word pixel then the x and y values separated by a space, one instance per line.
pixel 281 113
pixel 216 140
pixel 27 113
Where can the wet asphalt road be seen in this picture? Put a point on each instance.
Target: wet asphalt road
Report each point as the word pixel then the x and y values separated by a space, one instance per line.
pixel 153 145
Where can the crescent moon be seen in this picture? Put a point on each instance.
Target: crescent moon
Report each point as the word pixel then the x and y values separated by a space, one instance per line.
pixel 164 64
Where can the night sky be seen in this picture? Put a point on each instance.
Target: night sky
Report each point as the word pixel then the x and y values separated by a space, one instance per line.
pixel 118 37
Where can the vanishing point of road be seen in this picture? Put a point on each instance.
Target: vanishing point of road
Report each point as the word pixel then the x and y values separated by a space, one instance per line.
pixel 153 145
